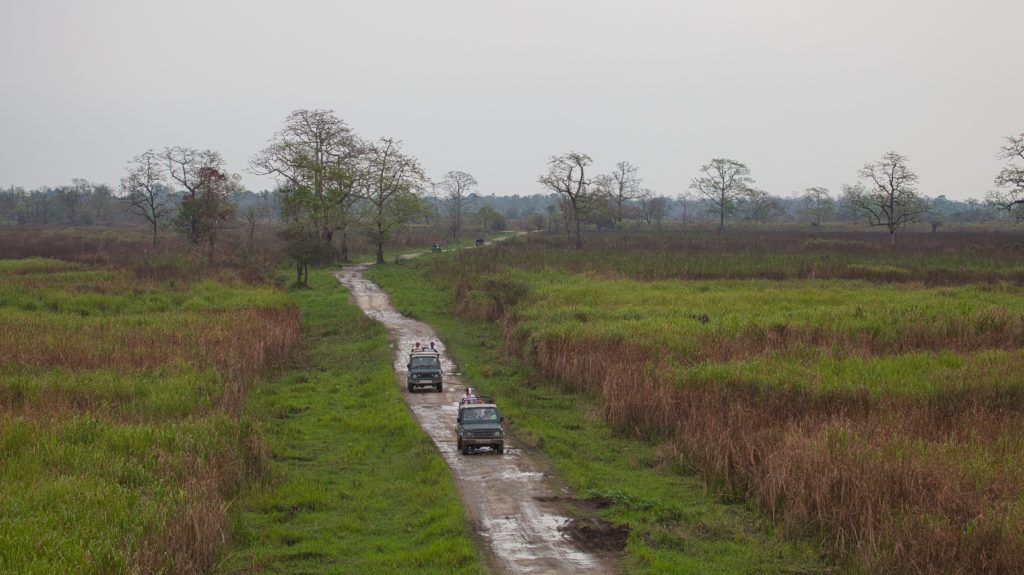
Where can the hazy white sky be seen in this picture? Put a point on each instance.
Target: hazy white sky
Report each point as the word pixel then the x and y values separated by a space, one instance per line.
pixel 804 92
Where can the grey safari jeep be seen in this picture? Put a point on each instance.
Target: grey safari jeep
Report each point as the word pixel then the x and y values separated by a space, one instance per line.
pixel 424 370
pixel 479 425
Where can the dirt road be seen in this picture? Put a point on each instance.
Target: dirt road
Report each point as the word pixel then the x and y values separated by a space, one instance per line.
pixel 511 501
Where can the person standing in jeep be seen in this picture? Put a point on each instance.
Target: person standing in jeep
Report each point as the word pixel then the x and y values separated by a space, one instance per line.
pixel 479 424
pixel 424 370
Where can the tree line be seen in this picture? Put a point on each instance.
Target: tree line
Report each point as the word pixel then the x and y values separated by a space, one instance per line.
pixel 884 195
pixel 331 183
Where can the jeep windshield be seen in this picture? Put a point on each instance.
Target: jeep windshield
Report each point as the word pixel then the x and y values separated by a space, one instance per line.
pixel 425 363
pixel 479 414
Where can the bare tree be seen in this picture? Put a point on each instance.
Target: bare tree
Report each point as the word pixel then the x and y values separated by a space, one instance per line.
pixel 72 198
pixel 144 189
pixel 653 208
pixel 818 204
pixel 847 205
pixel 625 187
pixel 457 187
pixel 315 153
pixel 1011 178
pixel 888 195
pixel 684 199
pixel 255 212
pixel 185 167
pixel 391 182
pixel 566 176
pixel 722 184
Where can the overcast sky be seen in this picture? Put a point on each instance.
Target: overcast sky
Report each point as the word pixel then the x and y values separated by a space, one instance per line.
pixel 803 92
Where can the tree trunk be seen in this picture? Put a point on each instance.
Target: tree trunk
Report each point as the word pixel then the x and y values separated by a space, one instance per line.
pixel 209 256
pixel 154 235
pixel 721 219
pixel 576 223
pixel 298 272
pixel 892 237
pixel 380 246
pixel 344 244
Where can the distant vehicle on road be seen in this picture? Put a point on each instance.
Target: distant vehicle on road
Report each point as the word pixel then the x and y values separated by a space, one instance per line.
pixel 480 242
pixel 437 247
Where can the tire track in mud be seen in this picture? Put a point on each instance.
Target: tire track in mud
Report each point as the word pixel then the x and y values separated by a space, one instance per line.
pixel 510 499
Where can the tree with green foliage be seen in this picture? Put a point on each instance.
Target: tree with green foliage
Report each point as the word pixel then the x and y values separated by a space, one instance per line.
pixel 490 219
pixel 213 205
pixel 817 204
pixel 536 221
pixel 759 206
pixel 183 166
pixel 391 182
pixel 722 183
pixel 316 154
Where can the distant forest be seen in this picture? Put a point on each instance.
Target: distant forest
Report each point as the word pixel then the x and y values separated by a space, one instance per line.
pixel 84 203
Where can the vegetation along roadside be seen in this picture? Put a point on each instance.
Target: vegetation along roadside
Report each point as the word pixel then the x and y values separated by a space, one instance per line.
pixel 676 525
pixel 352 483
pixel 879 413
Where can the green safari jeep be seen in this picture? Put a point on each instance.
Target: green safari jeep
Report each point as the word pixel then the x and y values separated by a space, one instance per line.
pixel 424 370
pixel 479 425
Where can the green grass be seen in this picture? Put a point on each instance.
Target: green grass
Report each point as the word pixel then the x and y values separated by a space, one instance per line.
pixel 677 525
pixel 83 494
pixel 353 485
pixel 162 393
pixel 813 334
pixel 115 447
pixel 873 400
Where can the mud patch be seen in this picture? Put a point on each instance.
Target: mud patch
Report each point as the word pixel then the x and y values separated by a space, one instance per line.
pixel 591 504
pixel 596 534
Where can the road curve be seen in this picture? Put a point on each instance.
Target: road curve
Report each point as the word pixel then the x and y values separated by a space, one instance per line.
pixel 512 502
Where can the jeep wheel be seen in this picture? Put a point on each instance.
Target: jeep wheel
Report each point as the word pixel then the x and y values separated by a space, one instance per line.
pixel 440 387
pixel 411 387
pixel 500 448
pixel 465 449
pixel 458 443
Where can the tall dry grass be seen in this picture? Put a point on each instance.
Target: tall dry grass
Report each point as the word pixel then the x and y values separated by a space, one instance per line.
pixel 897 485
pixel 173 260
pixel 894 483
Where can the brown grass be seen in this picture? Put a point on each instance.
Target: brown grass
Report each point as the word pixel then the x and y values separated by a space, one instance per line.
pixel 239 344
pixel 174 260
pixel 193 534
pixel 898 485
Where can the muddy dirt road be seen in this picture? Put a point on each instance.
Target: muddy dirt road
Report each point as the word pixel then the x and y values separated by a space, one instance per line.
pixel 511 501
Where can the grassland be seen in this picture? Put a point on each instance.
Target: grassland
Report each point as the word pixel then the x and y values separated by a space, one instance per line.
pixel 677 526
pixel 352 485
pixel 865 397
pixel 120 441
